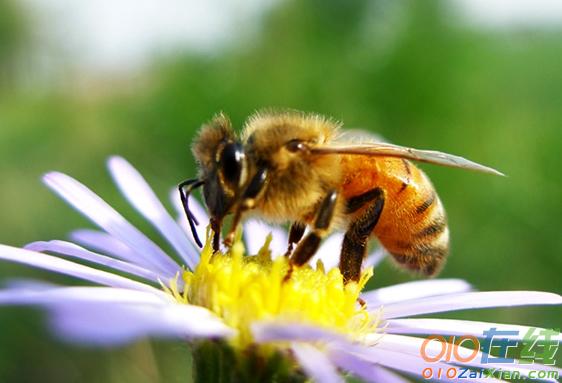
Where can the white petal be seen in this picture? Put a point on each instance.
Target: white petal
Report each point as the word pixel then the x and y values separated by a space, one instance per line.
pixel 329 251
pixel 73 250
pixel 48 262
pixel 316 364
pixel 255 233
pixel 427 326
pixel 414 290
pixel 472 300
pixel 197 210
pixel 135 188
pixel 363 369
pixel 97 210
pixel 104 243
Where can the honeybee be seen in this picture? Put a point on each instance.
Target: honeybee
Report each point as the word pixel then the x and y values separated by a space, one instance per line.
pixel 296 167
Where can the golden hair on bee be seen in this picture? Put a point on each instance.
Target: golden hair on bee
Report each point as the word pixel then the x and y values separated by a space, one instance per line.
pixel 295 167
pixel 209 138
pixel 272 128
pixel 272 138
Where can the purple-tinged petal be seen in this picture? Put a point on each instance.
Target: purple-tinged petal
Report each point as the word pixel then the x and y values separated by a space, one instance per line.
pixel 367 371
pixel 135 188
pixel 255 233
pixel 329 251
pixel 386 376
pixel 99 212
pixel 104 243
pixel 373 259
pixel 410 364
pixel 429 326
pixel 197 210
pixel 73 250
pixel 58 265
pixel 117 324
pixel 53 295
pixel 473 300
pixel 316 364
pixel 412 346
pixel 101 315
pixel 397 358
pixel 25 284
pixel 414 290
pixel 264 332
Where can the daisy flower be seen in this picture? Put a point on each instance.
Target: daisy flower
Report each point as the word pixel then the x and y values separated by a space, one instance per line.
pixel 243 318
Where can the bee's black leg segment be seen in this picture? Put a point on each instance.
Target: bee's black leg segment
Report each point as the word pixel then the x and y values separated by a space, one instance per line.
pixel 216 227
pixel 256 184
pixel 308 246
pixel 306 249
pixel 355 240
pixel 326 211
pixel 295 235
pixel 355 203
pixel 247 201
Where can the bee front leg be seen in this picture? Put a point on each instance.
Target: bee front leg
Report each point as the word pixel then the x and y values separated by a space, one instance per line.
pixel 357 235
pixel 216 226
pixel 296 233
pixel 247 201
pixel 308 246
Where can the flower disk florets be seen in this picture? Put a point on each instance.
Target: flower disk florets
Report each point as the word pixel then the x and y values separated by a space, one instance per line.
pixel 245 289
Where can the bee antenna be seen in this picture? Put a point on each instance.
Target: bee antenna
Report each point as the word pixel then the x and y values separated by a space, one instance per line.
pixel 191 185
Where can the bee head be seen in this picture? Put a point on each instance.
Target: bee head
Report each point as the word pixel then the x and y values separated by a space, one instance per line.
pixel 222 166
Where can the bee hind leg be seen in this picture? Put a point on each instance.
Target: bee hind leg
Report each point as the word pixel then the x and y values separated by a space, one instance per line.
pixel 308 246
pixel 354 244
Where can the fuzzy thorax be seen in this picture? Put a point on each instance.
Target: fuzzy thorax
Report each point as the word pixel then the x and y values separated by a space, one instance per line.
pixel 245 289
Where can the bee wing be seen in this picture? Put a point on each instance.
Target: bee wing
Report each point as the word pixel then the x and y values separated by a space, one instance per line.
pixel 357 137
pixel 389 150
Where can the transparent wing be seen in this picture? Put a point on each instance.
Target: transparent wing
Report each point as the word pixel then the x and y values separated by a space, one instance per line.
pixel 357 137
pixel 389 150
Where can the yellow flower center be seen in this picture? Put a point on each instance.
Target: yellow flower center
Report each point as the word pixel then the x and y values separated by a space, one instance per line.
pixel 245 289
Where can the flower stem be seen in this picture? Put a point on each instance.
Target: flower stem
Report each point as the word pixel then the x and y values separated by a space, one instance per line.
pixel 218 362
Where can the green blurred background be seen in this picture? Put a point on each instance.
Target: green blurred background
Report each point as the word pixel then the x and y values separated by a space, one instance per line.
pixel 421 74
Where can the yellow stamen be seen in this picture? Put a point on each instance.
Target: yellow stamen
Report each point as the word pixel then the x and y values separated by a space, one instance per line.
pixel 244 289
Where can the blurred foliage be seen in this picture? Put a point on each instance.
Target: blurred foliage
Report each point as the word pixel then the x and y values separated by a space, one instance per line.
pixel 411 71
pixel 14 34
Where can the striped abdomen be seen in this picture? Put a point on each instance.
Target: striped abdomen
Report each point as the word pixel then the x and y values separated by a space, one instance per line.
pixel 413 225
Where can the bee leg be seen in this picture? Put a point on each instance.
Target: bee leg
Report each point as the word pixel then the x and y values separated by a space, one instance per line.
pixel 308 246
pixel 216 228
pixel 355 203
pixel 247 202
pixel 295 235
pixel 354 244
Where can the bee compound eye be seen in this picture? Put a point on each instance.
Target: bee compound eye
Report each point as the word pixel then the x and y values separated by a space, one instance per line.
pixel 230 163
pixel 295 146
